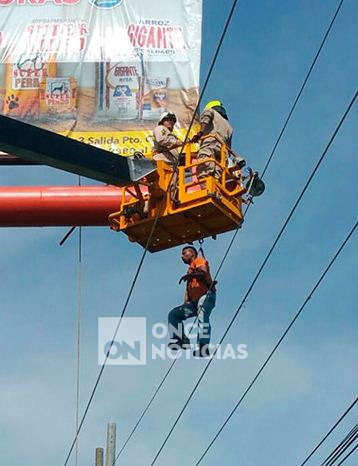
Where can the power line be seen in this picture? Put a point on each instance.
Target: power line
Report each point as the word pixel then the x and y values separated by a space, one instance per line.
pixel 342 447
pixel 302 88
pixel 293 107
pixel 135 278
pixel 314 289
pixel 216 54
pixel 308 182
pixel 329 432
pixel 347 456
pixel 145 411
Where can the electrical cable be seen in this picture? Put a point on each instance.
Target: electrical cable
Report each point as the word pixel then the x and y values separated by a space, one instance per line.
pixel 308 182
pixel 302 88
pixel 246 209
pixel 139 267
pixel 314 289
pixel 347 456
pixel 341 448
pixel 329 432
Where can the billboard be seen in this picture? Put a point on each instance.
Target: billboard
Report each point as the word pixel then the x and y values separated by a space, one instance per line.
pixel 100 71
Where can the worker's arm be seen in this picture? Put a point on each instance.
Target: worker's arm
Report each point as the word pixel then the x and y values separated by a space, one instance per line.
pixel 203 274
pixel 205 119
pixel 201 271
pixel 197 273
pixel 164 138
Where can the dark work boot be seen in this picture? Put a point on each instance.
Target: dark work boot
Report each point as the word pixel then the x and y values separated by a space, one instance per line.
pixel 179 343
pixel 202 351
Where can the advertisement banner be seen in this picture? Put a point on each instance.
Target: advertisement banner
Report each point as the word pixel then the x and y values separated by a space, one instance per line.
pixel 100 71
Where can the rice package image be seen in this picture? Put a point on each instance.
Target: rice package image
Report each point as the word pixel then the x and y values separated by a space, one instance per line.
pixel 119 90
pixel 154 100
pixel 124 92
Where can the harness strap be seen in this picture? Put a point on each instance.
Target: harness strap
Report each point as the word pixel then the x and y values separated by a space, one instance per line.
pixel 201 250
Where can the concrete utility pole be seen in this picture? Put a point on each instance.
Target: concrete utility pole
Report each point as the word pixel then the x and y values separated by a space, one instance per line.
pixel 99 456
pixel 111 444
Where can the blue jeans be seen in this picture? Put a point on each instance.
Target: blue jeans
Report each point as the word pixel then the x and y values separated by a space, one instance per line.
pixel 201 308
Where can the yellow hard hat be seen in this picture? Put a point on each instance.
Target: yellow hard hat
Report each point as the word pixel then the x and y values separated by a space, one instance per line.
pixel 213 103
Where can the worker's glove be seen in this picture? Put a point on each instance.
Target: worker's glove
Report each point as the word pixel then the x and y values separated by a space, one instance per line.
pixel 184 278
pixel 196 137
pixel 194 274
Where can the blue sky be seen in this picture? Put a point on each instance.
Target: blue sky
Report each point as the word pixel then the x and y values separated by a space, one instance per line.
pixel 313 377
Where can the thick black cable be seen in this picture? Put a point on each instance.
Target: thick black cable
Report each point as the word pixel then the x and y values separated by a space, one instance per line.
pixel 302 88
pixel 308 182
pixel 238 229
pixel 67 235
pixel 347 456
pixel 329 432
pixel 341 448
pixel 145 411
pixel 342 444
pixel 216 54
pixel 311 293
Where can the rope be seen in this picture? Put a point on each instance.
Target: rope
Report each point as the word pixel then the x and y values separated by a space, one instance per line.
pixel 79 296
pixel 79 302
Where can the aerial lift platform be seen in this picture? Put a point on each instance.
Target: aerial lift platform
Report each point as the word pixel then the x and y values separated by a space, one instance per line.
pixel 157 207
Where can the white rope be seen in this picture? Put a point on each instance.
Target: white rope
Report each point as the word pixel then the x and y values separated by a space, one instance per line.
pixel 79 296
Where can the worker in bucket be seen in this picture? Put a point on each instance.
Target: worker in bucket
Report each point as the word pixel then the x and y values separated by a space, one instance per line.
pixel 213 120
pixel 165 147
pixel 200 298
pixel 166 143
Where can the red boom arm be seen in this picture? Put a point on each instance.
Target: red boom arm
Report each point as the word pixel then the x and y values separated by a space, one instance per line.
pixel 58 206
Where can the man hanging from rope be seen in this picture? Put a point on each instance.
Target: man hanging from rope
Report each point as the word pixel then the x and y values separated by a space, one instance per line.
pixel 200 298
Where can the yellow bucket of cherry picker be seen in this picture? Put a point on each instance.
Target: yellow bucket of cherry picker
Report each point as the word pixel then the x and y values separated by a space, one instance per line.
pixel 170 209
